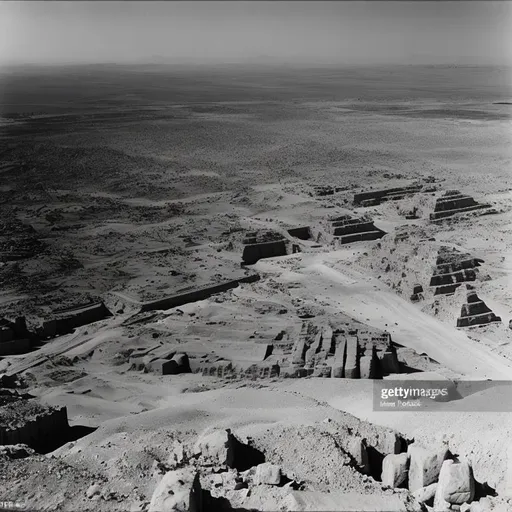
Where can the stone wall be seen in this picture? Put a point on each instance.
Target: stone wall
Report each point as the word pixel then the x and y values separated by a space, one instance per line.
pixel 19 346
pixel 66 320
pixel 14 337
pixel 257 251
pixel 375 197
pixel 302 233
pixel 28 422
pixel 202 293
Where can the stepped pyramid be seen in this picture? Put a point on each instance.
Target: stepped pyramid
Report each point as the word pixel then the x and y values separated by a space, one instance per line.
pixel 452 203
pixel 349 229
pixel 452 269
pixel 475 312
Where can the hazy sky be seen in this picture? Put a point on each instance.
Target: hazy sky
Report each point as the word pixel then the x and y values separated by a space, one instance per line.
pixel 361 32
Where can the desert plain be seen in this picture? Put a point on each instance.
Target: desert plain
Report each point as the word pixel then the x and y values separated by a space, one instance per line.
pixel 206 216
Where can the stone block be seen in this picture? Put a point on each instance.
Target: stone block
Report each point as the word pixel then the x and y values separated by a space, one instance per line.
pixel 173 491
pixel 268 474
pixel 456 485
pixel 425 494
pixel 424 466
pixel 395 469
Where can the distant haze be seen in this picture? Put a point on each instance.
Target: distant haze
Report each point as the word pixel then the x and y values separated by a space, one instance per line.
pixel 351 33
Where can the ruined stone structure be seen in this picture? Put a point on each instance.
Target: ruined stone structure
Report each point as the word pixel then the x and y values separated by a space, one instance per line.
pixel 412 214
pixel 198 293
pixel 14 337
pixel 350 353
pixel 452 269
pixel 18 241
pixel 174 365
pixel 327 190
pixel 25 421
pixel 68 319
pixel 475 312
pixel 348 229
pixel 452 203
pixel 230 370
pixel 375 197
pixel 263 245
pixel 302 233
pixel 417 293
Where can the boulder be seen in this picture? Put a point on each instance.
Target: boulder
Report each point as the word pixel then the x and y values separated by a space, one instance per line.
pixel 16 451
pixel 456 485
pixel 93 491
pixel 425 494
pixel 357 449
pixel 268 474
pixel 173 492
pixel 484 505
pixel 213 448
pixel 395 468
pixel 424 466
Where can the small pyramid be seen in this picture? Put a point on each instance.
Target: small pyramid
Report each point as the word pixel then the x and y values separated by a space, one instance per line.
pixel 475 312
pixel 454 202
